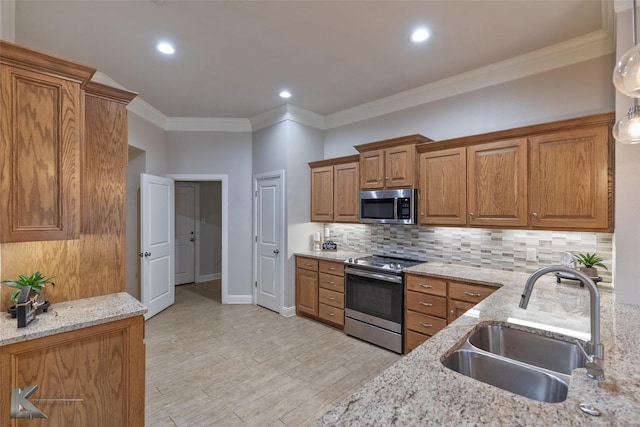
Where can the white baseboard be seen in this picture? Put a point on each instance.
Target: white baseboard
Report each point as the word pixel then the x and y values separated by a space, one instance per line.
pixel 208 277
pixel 237 299
pixel 288 311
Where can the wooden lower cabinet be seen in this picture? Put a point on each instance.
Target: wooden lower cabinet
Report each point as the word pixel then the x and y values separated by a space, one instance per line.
pixel 320 290
pixel 93 376
pixel 432 303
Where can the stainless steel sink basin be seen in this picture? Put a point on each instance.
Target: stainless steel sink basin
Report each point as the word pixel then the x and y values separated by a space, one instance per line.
pixel 525 363
pixel 514 377
pixel 534 349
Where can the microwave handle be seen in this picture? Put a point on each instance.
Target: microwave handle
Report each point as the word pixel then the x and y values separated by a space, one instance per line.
pixel 395 208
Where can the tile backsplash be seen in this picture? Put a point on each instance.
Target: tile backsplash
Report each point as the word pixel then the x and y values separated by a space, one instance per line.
pixel 498 249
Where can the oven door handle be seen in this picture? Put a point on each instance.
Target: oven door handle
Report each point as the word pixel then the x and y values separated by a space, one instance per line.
pixel 370 275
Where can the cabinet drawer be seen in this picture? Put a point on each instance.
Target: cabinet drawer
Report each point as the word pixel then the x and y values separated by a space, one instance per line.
pixel 426 284
pixel 468 292
pixel 334 283
pixel 427 304
pixel 307 263
pixel 413 340
pixel 331 314
pixel 424 324
pixel 332 298
pixel 332 267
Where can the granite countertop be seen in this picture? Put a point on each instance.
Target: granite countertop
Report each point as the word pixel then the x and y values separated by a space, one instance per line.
pixel 71 315
pixel 419 390
pixel 329 255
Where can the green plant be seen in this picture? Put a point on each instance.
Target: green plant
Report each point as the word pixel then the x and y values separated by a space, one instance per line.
pixel 36 281
pixel 590 260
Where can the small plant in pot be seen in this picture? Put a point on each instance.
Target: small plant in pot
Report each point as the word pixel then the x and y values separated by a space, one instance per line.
pixel 37 282
pixel 590 262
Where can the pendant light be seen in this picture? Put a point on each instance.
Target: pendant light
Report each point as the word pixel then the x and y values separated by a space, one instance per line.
pixel 626 78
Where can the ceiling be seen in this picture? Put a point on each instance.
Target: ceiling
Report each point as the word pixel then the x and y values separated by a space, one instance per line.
pixel 234 57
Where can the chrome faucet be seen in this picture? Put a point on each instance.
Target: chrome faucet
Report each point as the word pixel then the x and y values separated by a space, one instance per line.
pixel 595 350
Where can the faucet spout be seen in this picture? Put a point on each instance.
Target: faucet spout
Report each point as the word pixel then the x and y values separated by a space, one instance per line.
pixel 595 349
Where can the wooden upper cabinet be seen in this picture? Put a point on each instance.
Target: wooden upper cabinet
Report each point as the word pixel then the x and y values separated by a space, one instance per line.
pixel 322 194
pixel 569 179
pixel 443 187
pixel 40 121
pixel 390 163
pixel 346 192
pixel 497 183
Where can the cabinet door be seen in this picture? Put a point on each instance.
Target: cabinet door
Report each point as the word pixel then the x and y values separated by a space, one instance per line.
pixel 457 309
pixel 372 170
pixel 322 194
pixel 400 166
pixel 346 193
pixel 569 185
pixel 307 291
pixel 40 156
pixel 443 187
pixel 497 183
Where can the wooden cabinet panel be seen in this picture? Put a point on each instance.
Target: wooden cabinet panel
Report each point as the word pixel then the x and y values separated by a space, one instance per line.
pixel 457 309
pixel 307 291
pixel 400 166
pixel 322 194
pixel 426 284
pixel 569 179
pixel 468 292
pixel 443 187
pixel 307 263
pixel 372 170
pixel 427 325
pixel 497 183
pixel 331 282
pixel 331 314
pixel 427 304
pixel 99 370
pixel 40 162
pixel 413 340
pixel 332 298
pixel 346 193
pixel 331 267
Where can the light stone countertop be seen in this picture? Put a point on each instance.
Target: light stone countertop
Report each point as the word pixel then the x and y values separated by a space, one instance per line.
pixel 331 255
pixel 419 390
pixel 71 315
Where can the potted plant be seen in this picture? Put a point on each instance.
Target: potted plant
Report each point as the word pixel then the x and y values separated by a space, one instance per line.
pixel 37 282
pixel 590 262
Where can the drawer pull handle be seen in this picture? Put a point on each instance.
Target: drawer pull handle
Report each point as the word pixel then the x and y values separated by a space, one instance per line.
pixel 330 282
pixel 426 286
pixel 331 268
pixel 426 304
pixel 426 325
pixel 471 294
pixel 331 314
pixel 332 299
pixel 307 265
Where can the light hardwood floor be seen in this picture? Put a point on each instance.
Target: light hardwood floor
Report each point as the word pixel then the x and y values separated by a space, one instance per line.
pixel 228 365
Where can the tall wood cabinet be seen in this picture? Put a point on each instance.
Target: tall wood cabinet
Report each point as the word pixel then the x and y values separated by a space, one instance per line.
pixel 334 190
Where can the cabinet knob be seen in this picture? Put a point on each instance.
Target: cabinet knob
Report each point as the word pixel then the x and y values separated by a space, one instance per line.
pixel 379 179
pixel 386 177
pixel 534 214
pixel 471 213
pixel 421 213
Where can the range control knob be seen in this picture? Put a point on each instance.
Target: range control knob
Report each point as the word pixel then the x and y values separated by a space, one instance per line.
pixel 355 260
pixel 350 260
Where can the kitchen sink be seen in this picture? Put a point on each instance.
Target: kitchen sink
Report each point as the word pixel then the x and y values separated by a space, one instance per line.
pixel 528 347
pixel 525 363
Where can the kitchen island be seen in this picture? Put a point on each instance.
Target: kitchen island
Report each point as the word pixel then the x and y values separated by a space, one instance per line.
pixel 419 390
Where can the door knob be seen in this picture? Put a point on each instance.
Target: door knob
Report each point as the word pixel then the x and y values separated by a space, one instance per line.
pixel 140 254
pixel 276 251
pixel 147 254
pixel 193 239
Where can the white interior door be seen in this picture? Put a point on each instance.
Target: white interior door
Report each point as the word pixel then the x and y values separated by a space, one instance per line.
pixel 269 227
pixel 185 233
pixel 157 236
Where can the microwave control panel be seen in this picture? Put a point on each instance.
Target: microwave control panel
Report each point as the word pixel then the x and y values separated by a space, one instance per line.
pixel 404 208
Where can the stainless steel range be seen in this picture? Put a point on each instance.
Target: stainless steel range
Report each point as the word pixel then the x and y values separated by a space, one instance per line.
pixel 375 299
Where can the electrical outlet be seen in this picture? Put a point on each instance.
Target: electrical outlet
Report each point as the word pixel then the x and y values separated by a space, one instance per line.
pixel 532 254
pixel 345 239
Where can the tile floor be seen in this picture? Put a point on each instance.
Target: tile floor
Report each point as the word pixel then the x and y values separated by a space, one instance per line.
pixel 212 364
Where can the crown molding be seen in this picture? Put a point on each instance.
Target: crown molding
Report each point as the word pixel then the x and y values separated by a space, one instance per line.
pixel 208 124
pixel 579 49
pixel 287 112
pixel 620 5
pixel 8 20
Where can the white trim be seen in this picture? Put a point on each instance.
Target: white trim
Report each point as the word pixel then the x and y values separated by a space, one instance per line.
pixel 208 277
pixel 224 184
pixel 621 5
pixel 287 112
pixel 208 124
pixel 608 17
pixel 238 299
pixel 288 311
pixel 280 174
pixel 8 20
pixel 144 110
pixel 579 49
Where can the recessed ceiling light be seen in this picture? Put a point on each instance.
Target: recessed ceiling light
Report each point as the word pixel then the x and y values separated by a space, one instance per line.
pixel 166 48
pixel 285 94
pixel 419 35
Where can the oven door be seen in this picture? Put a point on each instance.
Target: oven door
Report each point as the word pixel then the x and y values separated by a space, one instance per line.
pixel 374 298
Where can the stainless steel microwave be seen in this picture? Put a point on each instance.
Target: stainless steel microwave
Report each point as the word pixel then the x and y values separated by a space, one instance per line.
pixel 389 206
